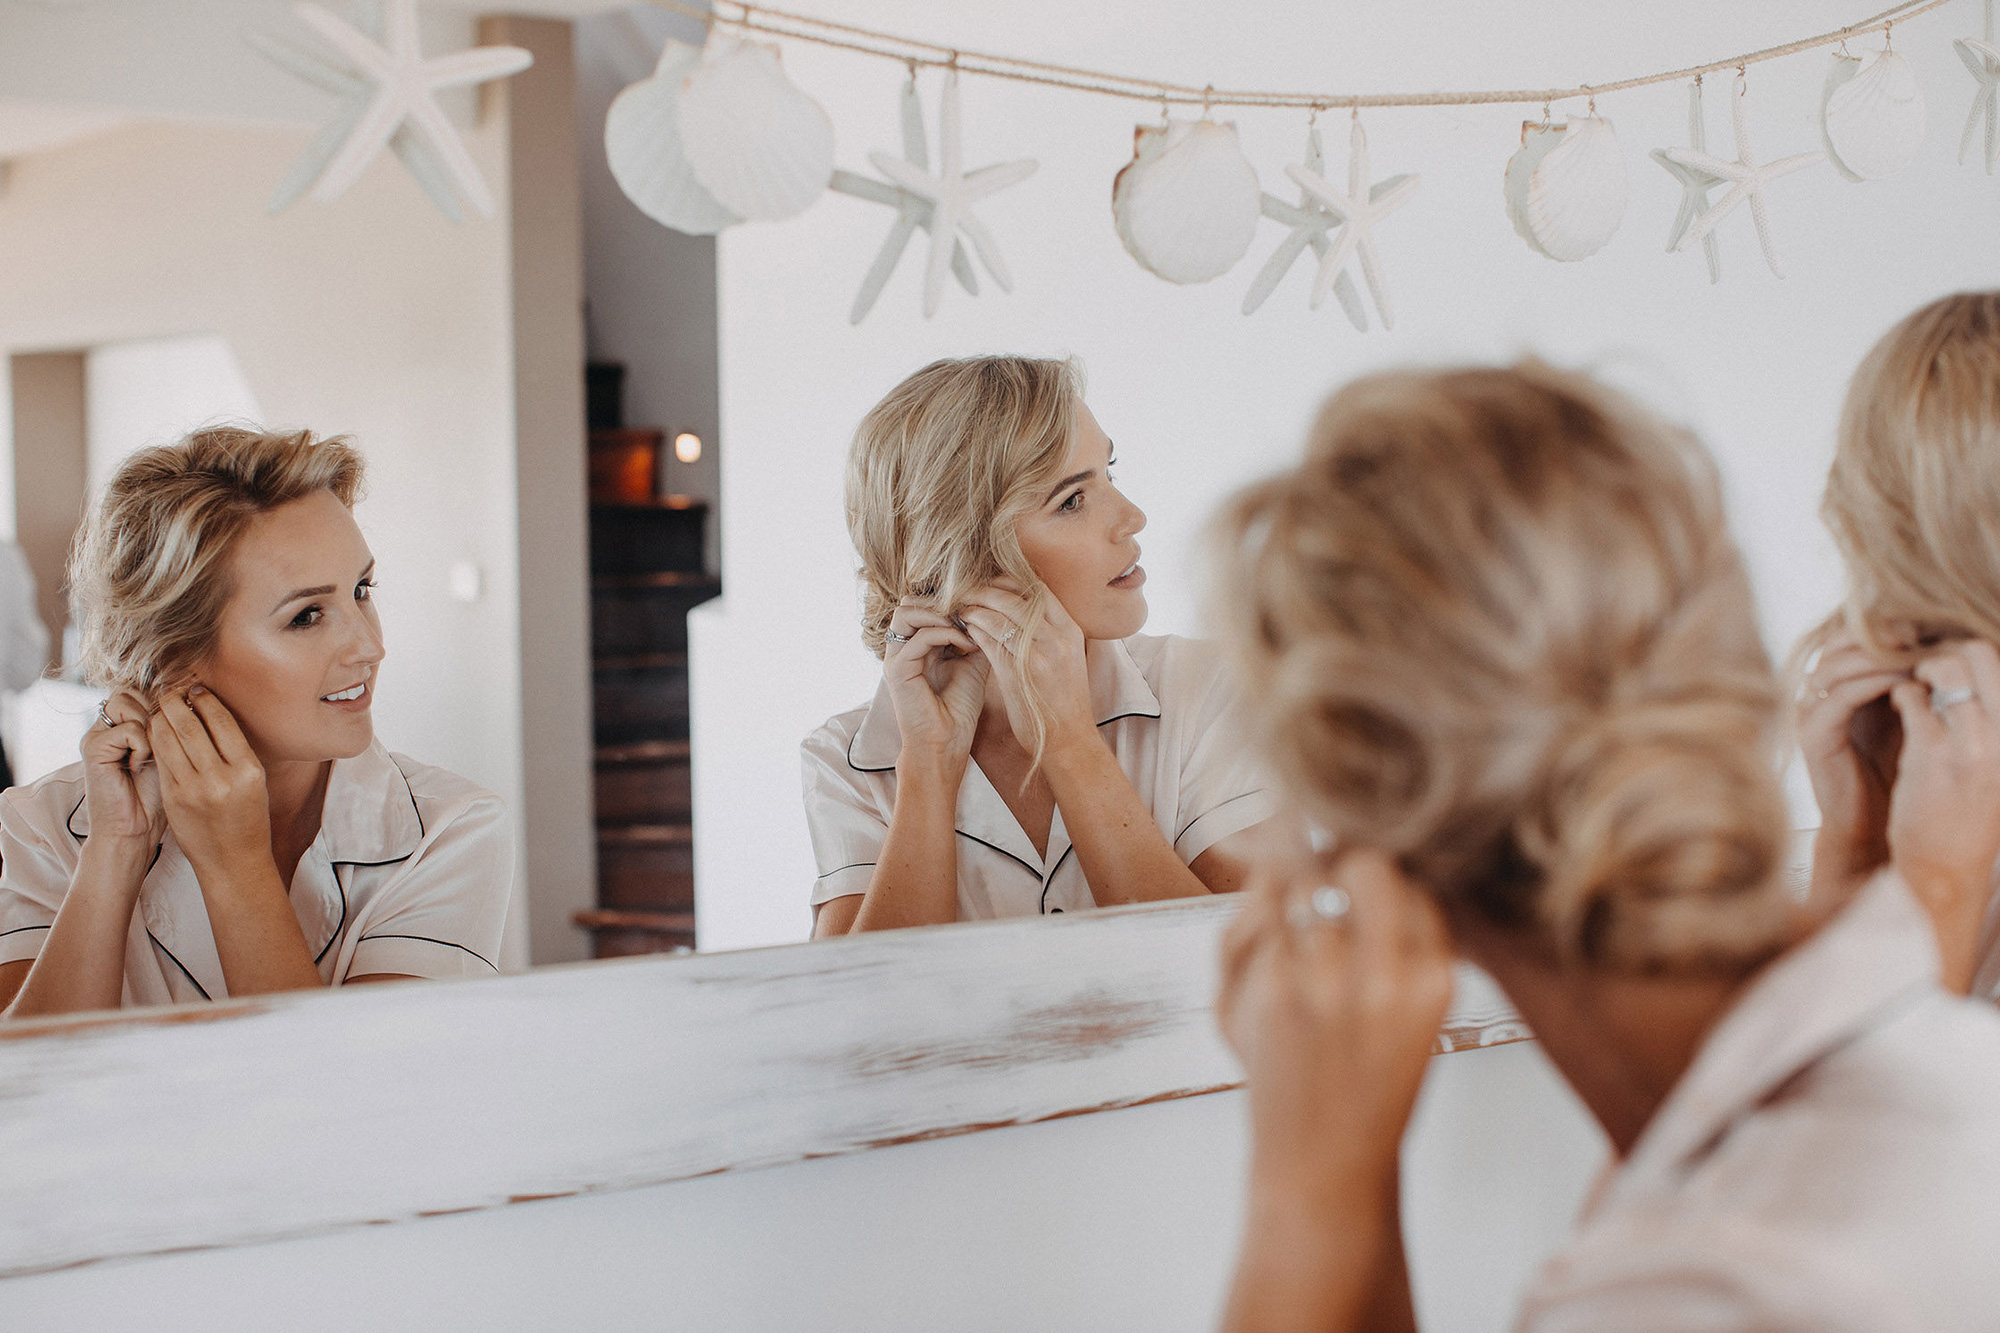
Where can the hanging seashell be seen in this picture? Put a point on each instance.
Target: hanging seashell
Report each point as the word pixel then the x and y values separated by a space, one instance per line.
pixel 642 141
pixel 1872 115
pixel 1187 204
pixel 1566 187
pixel 759 145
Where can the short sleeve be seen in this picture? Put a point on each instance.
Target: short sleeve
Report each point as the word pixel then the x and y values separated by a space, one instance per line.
pixel 442 917
pixel 35 868
pixel 1224 787
pixel 847 827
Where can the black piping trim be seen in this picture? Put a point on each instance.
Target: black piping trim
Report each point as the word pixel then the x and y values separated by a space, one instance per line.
pixel 1240 796
pixel 70 822
pixel 342 890
pixel 428 940
pixel 178 963
pixel 422 832
pixel 1122 716
pixel 831 873
pixel 1052 877
pixel 887 768
pixel 18 929
pixel 1003 851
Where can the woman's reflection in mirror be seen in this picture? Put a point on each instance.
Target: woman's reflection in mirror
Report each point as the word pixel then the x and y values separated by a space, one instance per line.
pixel 1029 750
pixel 235 827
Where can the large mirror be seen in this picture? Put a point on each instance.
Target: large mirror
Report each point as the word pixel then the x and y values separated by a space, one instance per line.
pixel 606 456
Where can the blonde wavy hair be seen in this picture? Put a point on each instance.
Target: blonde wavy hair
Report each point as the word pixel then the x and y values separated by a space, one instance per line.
pixel 150 574
pixel 1493 625
pixel 940 472
pixel 1914 491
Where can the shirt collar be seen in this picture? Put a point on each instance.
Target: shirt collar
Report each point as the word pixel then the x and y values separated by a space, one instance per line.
pixel 1118 689
pixel 1874 955
pixel 369 817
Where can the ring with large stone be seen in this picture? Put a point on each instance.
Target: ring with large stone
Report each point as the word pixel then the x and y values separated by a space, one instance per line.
pixel 1951 698
pixel 103 716
pixel 894 637
pixel 1324 906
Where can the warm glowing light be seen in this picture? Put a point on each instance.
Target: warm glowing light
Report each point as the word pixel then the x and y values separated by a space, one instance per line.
pixel 687 446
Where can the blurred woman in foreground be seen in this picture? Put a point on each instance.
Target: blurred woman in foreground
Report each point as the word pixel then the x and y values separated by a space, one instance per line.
pixel 1503 650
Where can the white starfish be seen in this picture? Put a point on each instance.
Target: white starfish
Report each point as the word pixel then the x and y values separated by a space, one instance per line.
pixel 952 193
pixel 1746 178
pixel 404 95
pixel 1358 210
pixel 1310 224
pixel 354 93
pixel 1983 59
pixel 1695 185
pixel 912 212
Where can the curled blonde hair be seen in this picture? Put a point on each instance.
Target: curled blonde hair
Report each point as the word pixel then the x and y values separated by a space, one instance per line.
pixel 1493 625
pixel 940 472
pixel 1915 483
pixel 150 570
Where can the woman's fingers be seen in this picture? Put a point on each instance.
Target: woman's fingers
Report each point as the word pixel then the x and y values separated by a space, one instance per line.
pixel 169 755
pixel 1000 629
pixel 126 707
pixel 1922 727
pixel 1824 717
pixel 915 654
pixel 196 747
pixel 1011 605
pixel 223 732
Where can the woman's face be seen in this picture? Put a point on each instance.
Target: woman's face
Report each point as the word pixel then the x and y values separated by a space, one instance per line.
pixel 296 651
pixel 1079 540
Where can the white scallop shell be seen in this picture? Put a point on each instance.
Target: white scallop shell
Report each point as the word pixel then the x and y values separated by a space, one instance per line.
pixel 1187 203
pixel 1566 187
pixel 642 142
pixel 1872 115
pixel 759 145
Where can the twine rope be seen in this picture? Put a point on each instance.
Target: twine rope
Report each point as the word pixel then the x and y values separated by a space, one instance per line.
pixel 911 51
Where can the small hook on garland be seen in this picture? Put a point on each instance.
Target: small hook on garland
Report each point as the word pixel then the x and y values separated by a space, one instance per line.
pixel 1207 94
pixel 1888 39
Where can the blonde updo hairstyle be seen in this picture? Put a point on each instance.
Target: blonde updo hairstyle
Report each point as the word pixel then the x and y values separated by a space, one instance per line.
pixel 150 572
pixel 1493 626
pixel 1915 485
pixel 940 472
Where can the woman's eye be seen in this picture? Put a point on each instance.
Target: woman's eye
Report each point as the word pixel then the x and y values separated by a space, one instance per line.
pixel 307 618
pixel 365 590
pixel 1072 504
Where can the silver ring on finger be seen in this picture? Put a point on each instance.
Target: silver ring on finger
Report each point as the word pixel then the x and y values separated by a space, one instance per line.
pixel 1326 905
pixel 103 716
pixel 894 637
pixel 1008 637
pixel 1951 698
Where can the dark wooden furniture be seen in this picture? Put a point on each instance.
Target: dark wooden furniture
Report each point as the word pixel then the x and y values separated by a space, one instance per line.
pixel 647 572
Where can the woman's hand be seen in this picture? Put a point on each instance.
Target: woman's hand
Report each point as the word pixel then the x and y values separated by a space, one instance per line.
pixel 121 786
pixel 937 683
pixel 1333 1013
pixel 1055 661
pixel 211 785
pixel 1334 1020
pixel 1944 815
pixel 1849 737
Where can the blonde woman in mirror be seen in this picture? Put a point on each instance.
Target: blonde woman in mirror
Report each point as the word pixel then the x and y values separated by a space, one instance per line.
pixel 1029 750
pixel 1913 500
pixel 1503 651
pixel 234 827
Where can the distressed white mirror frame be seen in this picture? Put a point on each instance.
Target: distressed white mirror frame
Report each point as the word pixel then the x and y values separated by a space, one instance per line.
pixel 236 1123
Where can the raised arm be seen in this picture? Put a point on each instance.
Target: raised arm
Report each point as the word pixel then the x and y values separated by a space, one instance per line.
pixel 81 964
pixel 937 683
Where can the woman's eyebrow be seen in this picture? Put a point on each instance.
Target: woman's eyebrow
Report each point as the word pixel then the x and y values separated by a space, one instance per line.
pixel 1069 481
pixel 324 590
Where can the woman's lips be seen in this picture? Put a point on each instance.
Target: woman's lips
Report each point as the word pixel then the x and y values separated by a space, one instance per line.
pixel 1136 578
pixel 357 704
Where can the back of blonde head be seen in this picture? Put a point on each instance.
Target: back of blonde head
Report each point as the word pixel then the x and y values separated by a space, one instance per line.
pixel 150 572
pixel 1493 625
pixel 1914 492
pixel 941 470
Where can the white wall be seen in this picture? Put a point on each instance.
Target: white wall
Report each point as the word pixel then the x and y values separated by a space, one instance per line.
pixel 1199 398
pixel 154 390
pixel 373 316
pixel 651 289
pixel 1119 1220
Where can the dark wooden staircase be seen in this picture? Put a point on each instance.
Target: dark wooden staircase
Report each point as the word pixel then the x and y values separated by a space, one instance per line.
pixel 646 573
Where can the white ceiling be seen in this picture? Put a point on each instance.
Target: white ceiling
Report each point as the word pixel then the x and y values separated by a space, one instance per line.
pixel 33 127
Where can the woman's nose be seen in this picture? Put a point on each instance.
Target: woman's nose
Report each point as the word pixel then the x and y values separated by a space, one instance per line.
pixel 365 645
pixel 1133 520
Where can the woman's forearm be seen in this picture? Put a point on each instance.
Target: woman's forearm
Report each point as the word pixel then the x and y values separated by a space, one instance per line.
pixel 257 935
pixel 1307 1268
pixel 81 965
pixel 1125 858
pixel 916 877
